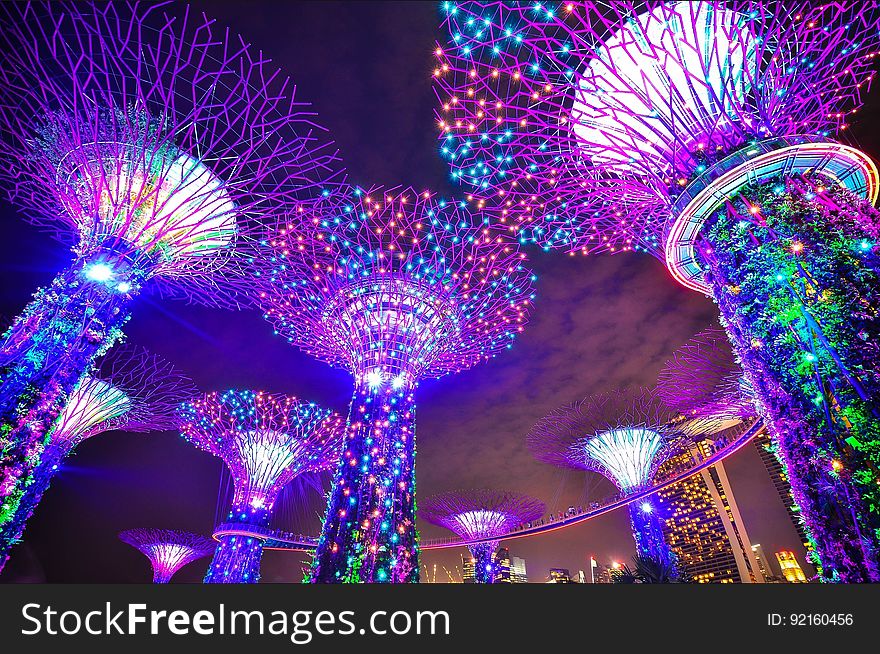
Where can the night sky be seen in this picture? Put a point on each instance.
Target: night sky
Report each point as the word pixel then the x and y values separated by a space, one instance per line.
pixel 600 322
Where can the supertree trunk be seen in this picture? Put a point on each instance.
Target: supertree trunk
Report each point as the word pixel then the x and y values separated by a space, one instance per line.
pixel 369 533
pixel 12 530
pixel 162 576
pixel 237 557
pixel 648 532
pixel 792 264
pixel 45 353
pixel 484 562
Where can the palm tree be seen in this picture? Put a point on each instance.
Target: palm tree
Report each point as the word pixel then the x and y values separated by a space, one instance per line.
pixel 650 570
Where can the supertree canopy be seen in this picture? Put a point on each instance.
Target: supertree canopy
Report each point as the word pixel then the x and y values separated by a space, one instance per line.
pixel 703 380
pixel 483 515
pixel 130 390
pixel 167 550
pixel 152 144
pixel 395 286
pixel 701 132
pixel 623 435
pixel 266 440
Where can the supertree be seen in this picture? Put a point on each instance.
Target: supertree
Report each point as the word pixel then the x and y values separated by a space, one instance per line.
pixel 395 286
pixel 266 440
pixel 130 390
pixel 167 550
pixel 623 435
pixel 700 132
pixel 481 514
pixel 151 144
pixel 703 380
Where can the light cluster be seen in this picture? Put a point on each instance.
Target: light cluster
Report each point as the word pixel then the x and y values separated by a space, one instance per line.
pixel 266 440
pixel 481 515
pixel 152 140
pixel 623 435
pixel 394 285
pixel 154 145
pixel 167 550
pixel 581 122
pixel 130 389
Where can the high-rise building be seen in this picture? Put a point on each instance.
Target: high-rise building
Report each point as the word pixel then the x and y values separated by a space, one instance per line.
pixel 601 573
pixel 502 561
pixel 791 569
pixel 582 577
pixel 780 482
pixel 501 558
pixel 518 571
pixel 702 523
pixel 559 576
pixel 764 564
pixel 467 568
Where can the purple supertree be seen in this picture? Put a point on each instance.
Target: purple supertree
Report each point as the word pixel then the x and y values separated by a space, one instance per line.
pixel 167 550
pixel 130 390
pixel 266 440
pixel 481 514
pixel 702 380
pixel 395 286
pixel 625 436
pixel 152 144
pixel 701 132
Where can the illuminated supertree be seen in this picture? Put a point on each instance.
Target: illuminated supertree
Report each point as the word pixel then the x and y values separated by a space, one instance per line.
pixel 703 380
pixel 700 132
pixel 152 145
pixel 265 440
pixel 481 514
pixel 167 550
pixel 131 390
pixel 625 436
pixel 394 286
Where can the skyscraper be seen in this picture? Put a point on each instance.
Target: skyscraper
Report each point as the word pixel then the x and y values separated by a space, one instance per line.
pixel 467 568
pixel 503 566
pixel 780 482
pixel 518 571
pixel 764 564
pixel 703 526
pixel 791 569
pixel 559 576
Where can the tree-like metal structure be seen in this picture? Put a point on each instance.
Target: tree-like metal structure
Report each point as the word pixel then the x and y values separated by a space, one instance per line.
pixel 703 380
pixel 395 286
pixel 481 514
pixel 701 132
pixel 265 440
pixel 625 436
pixel 130 390
pixel 167 550
pixel 152 144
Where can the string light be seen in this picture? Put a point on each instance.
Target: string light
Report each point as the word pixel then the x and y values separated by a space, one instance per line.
pixel 155 192
pixel 481 515
pixel 265 440
pixel 409 288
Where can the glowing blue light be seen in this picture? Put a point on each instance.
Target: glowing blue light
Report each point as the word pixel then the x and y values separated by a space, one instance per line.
pixel 123 287
pixel 646 507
